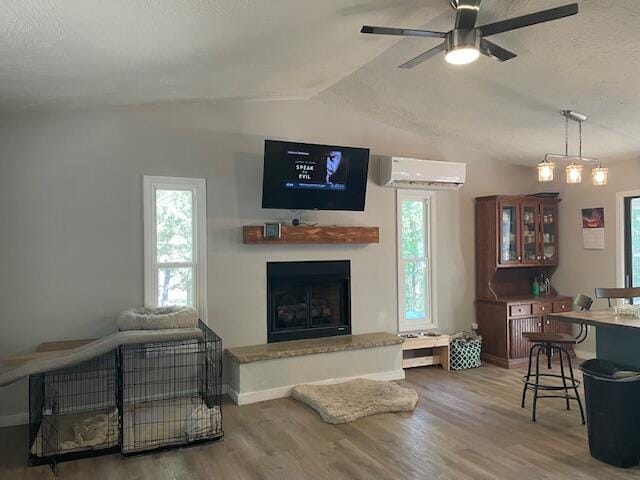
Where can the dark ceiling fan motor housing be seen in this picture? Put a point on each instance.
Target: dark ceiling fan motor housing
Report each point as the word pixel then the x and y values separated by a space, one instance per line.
pixel 466 34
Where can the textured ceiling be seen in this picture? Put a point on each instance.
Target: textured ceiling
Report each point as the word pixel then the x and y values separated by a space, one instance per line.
pixel 77 53
pixel 589 62
pixel 67 53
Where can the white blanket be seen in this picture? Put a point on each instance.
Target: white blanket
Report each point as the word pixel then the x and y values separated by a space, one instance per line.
pixel 75 356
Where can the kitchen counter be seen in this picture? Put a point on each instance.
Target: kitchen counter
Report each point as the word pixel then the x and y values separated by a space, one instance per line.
pixel 617 336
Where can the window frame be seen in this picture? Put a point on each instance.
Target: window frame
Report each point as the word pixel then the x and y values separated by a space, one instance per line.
pixel 621 236
pixel 429 200
pixel 198 188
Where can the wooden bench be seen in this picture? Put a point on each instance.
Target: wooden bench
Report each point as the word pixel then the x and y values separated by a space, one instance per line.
pixel 436 351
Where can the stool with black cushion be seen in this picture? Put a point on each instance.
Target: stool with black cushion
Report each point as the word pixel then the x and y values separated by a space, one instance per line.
pixel 550 343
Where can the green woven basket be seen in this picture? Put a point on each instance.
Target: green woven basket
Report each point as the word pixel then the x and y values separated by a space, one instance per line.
pixel 465 351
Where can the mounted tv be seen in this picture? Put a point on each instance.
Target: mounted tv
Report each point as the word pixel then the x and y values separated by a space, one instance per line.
pixel 304 176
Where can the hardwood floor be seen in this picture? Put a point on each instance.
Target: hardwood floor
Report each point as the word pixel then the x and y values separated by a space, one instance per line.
pixel 467 425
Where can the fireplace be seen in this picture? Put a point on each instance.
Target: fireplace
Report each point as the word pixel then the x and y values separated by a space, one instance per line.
pixel 308 300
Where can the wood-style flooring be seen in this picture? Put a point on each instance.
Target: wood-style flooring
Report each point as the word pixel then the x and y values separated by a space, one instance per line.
pixel 467 425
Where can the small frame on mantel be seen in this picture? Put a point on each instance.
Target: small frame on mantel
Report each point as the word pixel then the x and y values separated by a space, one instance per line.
pixel 253 234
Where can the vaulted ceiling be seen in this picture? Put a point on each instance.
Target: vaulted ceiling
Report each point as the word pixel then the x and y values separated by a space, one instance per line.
pixel 77 53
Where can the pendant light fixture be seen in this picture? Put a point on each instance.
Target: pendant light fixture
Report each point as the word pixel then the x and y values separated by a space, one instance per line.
pixel 599 175
pixel 573 171
pixel 545 170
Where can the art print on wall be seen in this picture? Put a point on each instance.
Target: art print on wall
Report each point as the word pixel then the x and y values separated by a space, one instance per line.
pixel 593 228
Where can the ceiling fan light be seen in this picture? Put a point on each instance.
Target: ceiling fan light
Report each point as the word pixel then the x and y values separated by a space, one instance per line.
pixel 574 173
pixel 545 171
pixel 599 175
pixel 462 55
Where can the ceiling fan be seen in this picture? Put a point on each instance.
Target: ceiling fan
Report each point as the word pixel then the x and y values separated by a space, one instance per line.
pixel 466 41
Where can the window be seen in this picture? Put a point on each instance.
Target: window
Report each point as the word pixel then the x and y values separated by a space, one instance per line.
pixel 175 242
pixel 416 306
pixel 632 241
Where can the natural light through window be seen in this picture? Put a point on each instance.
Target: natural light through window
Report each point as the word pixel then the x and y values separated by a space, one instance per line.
pixel 175 242
pixel 415 269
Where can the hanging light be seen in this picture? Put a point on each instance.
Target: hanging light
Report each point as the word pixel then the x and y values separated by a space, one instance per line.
pixel 574 173
pixel 545 170
pixel 599 175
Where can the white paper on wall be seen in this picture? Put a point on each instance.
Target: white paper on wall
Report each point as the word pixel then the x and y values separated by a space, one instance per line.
pixel 593 228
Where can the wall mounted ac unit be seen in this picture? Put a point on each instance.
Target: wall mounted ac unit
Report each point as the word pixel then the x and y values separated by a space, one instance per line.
pixel 401 172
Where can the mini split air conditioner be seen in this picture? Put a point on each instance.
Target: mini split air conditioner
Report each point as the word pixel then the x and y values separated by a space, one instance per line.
pixel 404 172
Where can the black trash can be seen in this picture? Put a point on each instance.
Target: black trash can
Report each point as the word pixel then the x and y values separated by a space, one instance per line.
pixel 612 396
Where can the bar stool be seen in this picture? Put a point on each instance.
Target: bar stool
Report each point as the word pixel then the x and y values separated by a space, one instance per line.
pixel 550 343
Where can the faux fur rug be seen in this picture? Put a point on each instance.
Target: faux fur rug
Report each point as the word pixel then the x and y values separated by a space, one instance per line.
pixel 160 318
pixel 348 401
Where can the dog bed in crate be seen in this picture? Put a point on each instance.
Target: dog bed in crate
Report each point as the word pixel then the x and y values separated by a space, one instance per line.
pixel 76 432
pixel 465 351
pixel 158 318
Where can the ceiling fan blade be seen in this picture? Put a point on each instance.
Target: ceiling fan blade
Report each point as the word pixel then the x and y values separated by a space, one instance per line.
pixel 527 20
pixel 406 32
pixel 423 56
pixel 492 50
pixel 467 13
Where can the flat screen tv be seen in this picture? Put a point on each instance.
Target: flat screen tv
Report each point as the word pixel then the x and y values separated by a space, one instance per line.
pixel 304 176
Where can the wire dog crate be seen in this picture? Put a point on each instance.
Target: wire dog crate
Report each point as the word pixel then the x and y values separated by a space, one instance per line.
pixel 134 399
pixel 74 411
pixel 170 393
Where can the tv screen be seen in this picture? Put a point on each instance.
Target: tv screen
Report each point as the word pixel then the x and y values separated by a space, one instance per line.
pixel 304 176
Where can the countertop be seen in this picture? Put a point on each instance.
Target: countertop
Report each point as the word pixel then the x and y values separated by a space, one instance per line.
pixel 598 318
pixel 529 298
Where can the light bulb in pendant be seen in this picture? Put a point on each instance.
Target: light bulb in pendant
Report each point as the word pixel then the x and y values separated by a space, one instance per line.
pixel 574 173
pixel 599 175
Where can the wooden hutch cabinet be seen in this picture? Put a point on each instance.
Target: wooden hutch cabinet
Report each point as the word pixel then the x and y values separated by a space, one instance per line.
pixel 516 241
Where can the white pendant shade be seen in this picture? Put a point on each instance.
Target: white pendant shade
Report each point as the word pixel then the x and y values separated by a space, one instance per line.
pixel 574 173
pixel 599 175
pixel 545 171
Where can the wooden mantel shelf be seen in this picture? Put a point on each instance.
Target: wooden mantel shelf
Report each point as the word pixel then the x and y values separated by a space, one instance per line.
pixel 300 235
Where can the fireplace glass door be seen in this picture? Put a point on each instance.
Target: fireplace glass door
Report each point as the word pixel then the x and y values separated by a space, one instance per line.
pixel 291 307
pixel 326 304
pixel 308 300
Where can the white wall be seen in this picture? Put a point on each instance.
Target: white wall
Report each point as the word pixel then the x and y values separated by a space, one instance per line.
pixel 71 221
pixel 581 270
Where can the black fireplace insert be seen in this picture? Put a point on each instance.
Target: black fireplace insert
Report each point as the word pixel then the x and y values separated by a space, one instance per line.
pixel 308 299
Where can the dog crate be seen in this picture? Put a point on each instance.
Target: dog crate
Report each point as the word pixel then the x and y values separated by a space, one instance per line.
pixel 134 399
pixel 73 412
pixel 171 393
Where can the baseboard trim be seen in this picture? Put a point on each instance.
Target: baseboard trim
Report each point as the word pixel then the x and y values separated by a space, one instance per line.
pixel 13 420
pixel 281 392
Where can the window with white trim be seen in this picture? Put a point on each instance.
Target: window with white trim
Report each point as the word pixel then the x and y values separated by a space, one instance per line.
pixel 175 242
pixel 415 221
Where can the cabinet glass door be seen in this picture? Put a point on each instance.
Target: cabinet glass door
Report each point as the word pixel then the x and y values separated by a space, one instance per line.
pixel 549 233
pixel 530 243
pixel 509 226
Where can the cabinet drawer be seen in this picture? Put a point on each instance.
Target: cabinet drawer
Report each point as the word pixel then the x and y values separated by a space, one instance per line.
pixel 542 308
pixel 563 306
pixel 520 310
